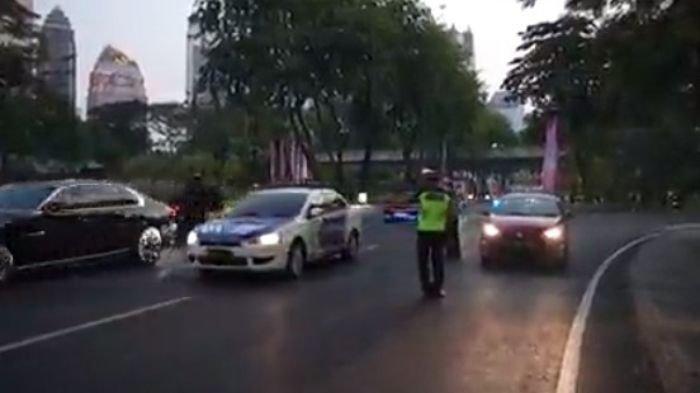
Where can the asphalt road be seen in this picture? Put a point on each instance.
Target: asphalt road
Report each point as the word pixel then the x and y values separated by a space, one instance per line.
pixel 349 327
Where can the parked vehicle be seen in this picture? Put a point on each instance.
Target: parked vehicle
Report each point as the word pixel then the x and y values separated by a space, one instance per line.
pixel 68 221
pixel 279 229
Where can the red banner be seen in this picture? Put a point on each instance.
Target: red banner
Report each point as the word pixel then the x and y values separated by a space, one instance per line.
pixel 551 156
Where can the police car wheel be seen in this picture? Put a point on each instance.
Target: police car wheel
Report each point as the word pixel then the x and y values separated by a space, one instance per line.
pixel 352 248
pixel 7 266
pixel 296 259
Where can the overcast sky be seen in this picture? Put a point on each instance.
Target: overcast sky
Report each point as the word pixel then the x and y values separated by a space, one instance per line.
pixel 153 33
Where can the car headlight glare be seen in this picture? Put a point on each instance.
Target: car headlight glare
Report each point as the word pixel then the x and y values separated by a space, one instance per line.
pixel 556 233
pixel 192 239
pixel 270 239
pixel 490 230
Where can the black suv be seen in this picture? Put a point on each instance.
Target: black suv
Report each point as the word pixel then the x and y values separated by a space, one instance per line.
pixel 61 222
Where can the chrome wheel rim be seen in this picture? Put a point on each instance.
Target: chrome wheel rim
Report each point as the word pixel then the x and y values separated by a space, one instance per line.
pixel 150 246
pixel 6 263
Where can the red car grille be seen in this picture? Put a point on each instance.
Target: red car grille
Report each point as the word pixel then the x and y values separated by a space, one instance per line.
pixel 522 233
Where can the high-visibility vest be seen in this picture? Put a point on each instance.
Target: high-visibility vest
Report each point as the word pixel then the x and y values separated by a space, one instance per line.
pixel 432 216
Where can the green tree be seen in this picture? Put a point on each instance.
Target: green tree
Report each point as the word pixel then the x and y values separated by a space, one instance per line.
pixel 640 61
pixel 490 129
pixel 121 131
pixel 331 73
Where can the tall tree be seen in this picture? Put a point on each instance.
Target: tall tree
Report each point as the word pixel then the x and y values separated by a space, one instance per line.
pixel 559 74
pixel 335 72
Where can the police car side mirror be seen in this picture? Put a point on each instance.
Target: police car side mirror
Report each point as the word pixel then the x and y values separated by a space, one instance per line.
pixel 315 211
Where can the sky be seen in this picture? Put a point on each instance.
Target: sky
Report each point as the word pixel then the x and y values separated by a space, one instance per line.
pixel 153 32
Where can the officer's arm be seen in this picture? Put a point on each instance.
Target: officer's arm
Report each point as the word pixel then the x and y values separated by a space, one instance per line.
pixel 416 196
pixel 451 210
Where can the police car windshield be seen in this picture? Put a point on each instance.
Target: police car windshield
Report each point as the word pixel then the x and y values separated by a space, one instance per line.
pixel 526 206
pixel 270 205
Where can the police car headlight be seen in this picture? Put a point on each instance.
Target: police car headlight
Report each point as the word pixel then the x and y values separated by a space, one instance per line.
pixel 270 239
pixel 192 239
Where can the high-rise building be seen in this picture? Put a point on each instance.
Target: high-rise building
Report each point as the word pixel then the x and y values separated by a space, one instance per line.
pixel 509 108
pixel 115 79
pixel 465 40
pixel 7 38
pixel 196 59
pixel 58 65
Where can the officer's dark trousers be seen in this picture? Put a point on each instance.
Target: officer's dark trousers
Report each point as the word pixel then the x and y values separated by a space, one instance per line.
pixel 431 260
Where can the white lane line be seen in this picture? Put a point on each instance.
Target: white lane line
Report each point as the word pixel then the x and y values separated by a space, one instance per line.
pixel 166 272
pixel 681 227
pixel 88 325
pixel 370 248
pixel 568 372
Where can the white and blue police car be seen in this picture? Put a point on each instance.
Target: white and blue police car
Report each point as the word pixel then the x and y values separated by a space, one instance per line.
pixel 277 229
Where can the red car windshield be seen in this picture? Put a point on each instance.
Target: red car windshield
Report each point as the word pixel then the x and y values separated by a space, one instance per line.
pixel 526 206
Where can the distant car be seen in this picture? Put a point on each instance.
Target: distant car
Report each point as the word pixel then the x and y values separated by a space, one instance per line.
pixel 525 226
pixel 63 222
pixel 277 230
pixel 402 207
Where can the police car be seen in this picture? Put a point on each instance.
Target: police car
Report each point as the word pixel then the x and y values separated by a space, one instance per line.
pixel 278 229
pixel 402 207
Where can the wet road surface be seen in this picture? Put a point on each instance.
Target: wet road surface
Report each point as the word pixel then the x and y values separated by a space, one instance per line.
pixel 345 327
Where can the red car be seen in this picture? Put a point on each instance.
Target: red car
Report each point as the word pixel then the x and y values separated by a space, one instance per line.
pixel 526 226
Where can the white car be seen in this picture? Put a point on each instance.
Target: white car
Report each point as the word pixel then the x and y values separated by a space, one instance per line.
pixel 277 229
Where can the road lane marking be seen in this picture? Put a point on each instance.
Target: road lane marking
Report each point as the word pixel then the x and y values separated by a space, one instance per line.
pixel 370 248
pixel 568 372
pixel 89 325
pixel 681 227
pixel 166 272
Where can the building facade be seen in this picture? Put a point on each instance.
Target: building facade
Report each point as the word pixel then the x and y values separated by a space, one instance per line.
pixel 196 59
pixel 58 66
pixel 28 4
pixel 465 40
pixel 115 79
pixel 512 110
pixel 6 39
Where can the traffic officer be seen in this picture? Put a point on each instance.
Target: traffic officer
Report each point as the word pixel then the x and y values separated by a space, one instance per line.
pixel 434 213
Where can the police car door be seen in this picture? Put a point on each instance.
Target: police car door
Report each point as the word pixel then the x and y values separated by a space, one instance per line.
pixel 323 224
pixel 314 224
pixel 334 223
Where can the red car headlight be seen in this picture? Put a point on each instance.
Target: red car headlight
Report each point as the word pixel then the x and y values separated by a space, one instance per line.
pixel 489 230
pixel 554 234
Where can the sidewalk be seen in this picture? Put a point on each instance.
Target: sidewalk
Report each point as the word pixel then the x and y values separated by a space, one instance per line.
pixel 665 282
